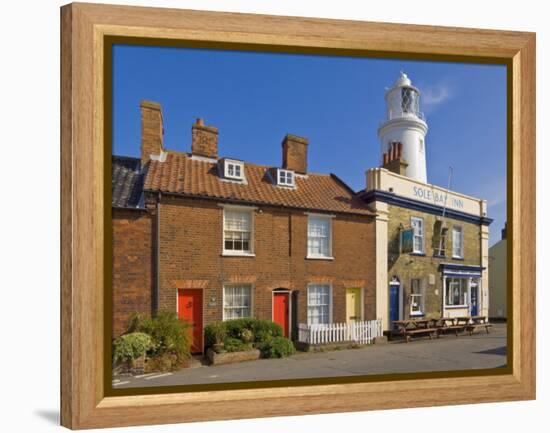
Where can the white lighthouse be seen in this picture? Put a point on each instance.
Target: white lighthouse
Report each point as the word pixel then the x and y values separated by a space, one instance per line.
pixel 405 124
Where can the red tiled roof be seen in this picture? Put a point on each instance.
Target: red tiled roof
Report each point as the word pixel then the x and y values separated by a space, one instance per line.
pixel 181 174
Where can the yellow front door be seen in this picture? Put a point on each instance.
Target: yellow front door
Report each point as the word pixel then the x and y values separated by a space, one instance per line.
pixel 353 305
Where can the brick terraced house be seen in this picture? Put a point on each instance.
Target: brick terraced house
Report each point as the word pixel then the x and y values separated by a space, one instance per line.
pixel 214 238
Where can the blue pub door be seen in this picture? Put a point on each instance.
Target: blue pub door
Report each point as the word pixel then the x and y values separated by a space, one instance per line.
pixel 394 301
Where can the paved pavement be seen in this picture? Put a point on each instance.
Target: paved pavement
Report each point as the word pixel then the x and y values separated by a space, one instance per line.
pixel 446 353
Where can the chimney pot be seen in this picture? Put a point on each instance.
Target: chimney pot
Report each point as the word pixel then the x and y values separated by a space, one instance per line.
pixel 200 121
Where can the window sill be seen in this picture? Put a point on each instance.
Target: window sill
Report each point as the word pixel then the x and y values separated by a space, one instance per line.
pixel 234 254
pixel 416 314
pixel 451 307
pixel 417 254
pixel 458 258
pixel 319 258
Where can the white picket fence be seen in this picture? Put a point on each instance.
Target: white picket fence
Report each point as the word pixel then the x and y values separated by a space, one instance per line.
pixel 359 332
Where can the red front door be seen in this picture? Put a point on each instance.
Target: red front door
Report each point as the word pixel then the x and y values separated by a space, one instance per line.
pixel 281 308
pixel 190 310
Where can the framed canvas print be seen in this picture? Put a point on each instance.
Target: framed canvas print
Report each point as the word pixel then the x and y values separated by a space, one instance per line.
pixel 312 215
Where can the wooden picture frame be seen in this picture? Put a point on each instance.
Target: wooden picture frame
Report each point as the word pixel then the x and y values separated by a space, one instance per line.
pixel 84 28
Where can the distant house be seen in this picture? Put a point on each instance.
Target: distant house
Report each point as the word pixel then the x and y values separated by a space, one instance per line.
pixel 215 238
pixel 497 278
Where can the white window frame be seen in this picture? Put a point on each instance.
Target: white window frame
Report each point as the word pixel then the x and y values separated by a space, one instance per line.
pixel 461 252
pixel 286 174
pixel 309 286
pixel 421 236
pixel 251 307
pixel 227 163
pixel 466 294
pixel 328 218
pixel 243 209
pixel 420 295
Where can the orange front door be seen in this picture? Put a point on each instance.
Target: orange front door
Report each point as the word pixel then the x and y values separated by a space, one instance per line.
pixel 190 310
pixel 281 308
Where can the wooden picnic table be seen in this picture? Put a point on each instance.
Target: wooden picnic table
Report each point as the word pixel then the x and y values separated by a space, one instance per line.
pixel 478 322
pixel 413 327
pixel 446 324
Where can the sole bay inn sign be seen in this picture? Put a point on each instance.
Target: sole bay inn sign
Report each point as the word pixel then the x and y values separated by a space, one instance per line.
pixel 389 186
pixel 437 197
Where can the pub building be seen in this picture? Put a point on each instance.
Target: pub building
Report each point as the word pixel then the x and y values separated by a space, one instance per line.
pixel 431 243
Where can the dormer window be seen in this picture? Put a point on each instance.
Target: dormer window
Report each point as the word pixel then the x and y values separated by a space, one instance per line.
pixel 285 177
pixel 233 169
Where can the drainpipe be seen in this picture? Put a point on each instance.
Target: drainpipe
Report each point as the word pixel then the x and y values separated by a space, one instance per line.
pixel 443 292
pixel 158 253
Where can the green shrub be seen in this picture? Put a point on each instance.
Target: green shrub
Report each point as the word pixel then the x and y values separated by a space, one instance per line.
pixel 165 362
pixel 231 344
pixel 169 334
pixel 214 333
pixel 130 347
pixel 236 327
pixel 277 347
pixel 265 330
pixel 246 330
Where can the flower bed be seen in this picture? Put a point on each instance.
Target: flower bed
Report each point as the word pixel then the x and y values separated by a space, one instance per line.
pixel 245 339
pixel 152 344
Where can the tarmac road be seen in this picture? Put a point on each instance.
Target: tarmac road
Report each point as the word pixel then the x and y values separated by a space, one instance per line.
pixel 446 353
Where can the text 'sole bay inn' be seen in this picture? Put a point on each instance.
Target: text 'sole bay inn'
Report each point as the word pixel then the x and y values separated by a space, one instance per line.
pixel 234 238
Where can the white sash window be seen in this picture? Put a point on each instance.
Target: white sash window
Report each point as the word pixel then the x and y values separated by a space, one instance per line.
pixel 237 301
pixel 458 242
pixel 318 304
pixel 237 231
pixel 319 234
pixel 418 236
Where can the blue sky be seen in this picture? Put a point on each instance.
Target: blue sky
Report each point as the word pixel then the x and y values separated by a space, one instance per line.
pixel 337 102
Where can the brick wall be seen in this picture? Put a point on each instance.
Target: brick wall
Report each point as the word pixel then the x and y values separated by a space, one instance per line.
pixel 132 266
pixel 191 246
pixel 407 266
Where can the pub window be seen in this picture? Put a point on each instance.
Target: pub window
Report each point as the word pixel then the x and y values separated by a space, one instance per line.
pixel 418 236
pixel 417 297
pixel 456 292
pixel 458 242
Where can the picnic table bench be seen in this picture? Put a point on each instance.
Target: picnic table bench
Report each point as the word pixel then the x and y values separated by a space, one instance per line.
pixel 450 324
pixel 414 327
pixel 477 322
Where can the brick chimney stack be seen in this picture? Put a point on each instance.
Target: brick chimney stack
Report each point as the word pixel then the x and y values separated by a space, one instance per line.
pixel 295 153
pixel 393 158
pixel 204 140
pixel 152 130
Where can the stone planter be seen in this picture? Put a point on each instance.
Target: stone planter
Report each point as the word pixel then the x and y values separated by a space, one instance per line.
pixel 231 357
